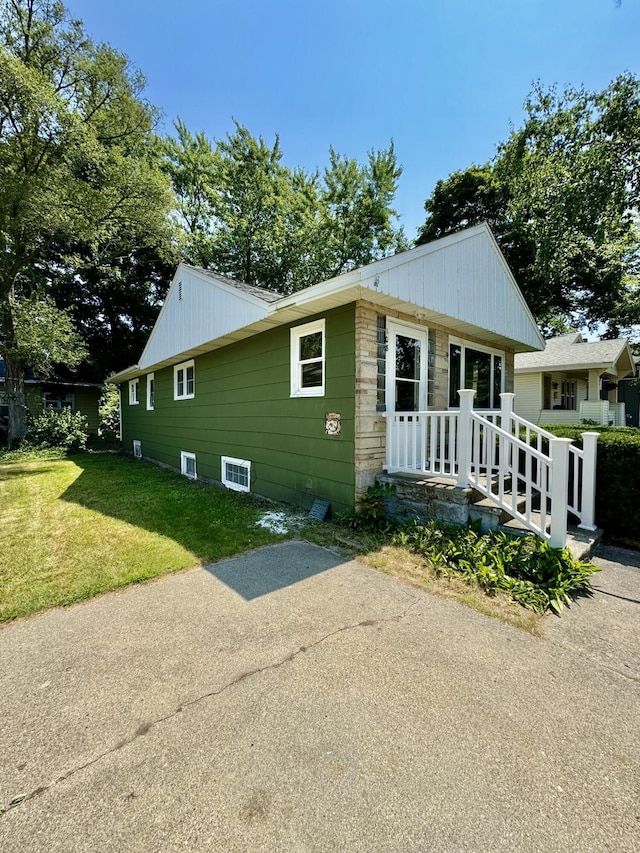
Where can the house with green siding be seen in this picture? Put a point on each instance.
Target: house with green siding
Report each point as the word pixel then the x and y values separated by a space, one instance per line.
pixel 289 397
pixel 54 394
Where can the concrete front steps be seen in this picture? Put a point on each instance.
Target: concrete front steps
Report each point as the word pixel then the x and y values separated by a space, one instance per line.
pixel 422 498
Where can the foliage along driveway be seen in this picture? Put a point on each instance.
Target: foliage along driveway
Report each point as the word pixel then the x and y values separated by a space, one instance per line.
pixel 288 700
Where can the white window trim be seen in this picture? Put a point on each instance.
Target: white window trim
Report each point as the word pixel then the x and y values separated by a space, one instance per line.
pixel 137 449
pixel 150 401
pixel 183 366
pixel 296 365
pixel 230 484
pixel 410 330
pixel 184 456
pixel 134 392
pixel 480 348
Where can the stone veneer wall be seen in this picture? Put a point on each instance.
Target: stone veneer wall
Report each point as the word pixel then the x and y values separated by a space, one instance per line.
pixel 370 426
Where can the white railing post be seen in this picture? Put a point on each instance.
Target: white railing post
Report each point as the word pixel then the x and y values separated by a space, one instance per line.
pixel 588 503
pixel 559 453
pixel 506 410
pixel 464 436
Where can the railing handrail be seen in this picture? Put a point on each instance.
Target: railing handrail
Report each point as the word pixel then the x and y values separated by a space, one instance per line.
pixel 532 427
pixel 509 436
pixel 422 412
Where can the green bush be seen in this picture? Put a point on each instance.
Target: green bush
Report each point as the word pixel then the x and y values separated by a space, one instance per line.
pixel 526 568
pixel 67 430
pixel 109 412
pixel 371 510
pixel 617 477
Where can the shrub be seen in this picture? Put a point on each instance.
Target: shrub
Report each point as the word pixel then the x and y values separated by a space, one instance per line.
pixel 67 430
pixel 109 412
pixel 617 477
pixel 371 510
pixel 526 568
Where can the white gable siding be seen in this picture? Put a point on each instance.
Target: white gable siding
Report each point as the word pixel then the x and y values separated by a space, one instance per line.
pixel 465 280
pixel 528 400
pixel 206 311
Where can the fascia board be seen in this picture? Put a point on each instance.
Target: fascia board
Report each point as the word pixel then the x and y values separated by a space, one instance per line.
pixel 557 368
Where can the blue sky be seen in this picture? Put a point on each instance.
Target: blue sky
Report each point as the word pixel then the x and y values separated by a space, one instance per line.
pixel 444 78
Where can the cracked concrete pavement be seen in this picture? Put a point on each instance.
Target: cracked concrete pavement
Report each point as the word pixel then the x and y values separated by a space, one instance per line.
pixel 289 700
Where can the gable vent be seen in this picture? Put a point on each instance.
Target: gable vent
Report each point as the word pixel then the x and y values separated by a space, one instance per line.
pixel 179 291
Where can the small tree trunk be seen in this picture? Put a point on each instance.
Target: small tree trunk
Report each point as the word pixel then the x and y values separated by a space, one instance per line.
pixel 16 400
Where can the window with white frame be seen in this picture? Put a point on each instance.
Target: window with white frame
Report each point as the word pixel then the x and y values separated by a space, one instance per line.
pixel 137 449
pixel 184 381
pixel 476 367
pixel 188 465
pixel 307 360
pixel 236 474
pixel 134 392
pixel 150 391
pixel 56 401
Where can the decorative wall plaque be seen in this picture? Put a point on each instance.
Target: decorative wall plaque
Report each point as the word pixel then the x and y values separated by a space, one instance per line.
pixel 332 423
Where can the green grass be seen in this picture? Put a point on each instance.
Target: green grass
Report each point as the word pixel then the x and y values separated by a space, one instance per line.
pixel 72 528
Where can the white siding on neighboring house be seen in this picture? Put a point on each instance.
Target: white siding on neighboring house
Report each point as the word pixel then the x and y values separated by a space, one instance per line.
pixel 528 400
pixel 559 416
pixel 582 391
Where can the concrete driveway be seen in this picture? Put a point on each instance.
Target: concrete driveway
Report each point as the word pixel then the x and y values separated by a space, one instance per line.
pixel 290 701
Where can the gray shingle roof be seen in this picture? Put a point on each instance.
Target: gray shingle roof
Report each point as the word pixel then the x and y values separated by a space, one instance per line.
pixel 259 292
pixel 570 351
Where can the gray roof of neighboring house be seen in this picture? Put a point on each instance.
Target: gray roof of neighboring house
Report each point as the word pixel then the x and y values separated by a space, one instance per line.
pixel 260 292
pixel 571 352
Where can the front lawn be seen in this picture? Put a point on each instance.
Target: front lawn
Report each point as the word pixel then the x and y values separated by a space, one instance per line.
pixel 76 527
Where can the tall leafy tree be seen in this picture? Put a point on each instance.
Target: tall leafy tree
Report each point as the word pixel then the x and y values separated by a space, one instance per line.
pixel 357 201
pixel 561 195
pixel 245 214
pixel 74 135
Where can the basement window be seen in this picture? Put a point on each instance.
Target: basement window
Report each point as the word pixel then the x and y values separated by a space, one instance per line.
pixel 184 381
pixel 188 465
pixel 236 474
pixel 137 449
pixel 307 360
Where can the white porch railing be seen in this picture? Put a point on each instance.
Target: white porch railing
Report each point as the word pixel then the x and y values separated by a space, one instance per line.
pixel 484 449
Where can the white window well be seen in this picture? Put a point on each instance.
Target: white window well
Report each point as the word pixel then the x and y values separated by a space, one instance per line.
pixel 307 360
pixel 137 449
pixel 134 392
pixel 236 474
pixel 150 390
pixel 184 381
pixel 188 464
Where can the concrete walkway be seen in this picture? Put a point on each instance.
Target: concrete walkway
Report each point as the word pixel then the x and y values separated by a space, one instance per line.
pixel 290 701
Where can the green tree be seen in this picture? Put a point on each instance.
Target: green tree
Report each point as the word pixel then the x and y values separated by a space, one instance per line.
pixel 560 196
pixel 74 141
pixel 358 214
pixel 245 214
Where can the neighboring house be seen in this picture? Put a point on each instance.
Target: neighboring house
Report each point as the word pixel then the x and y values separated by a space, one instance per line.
pixel 286 396
pixel 629 394
pixel 572 381
pixel 54 394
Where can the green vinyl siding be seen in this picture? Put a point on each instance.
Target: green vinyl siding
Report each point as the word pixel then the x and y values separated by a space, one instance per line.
pixel 242 408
